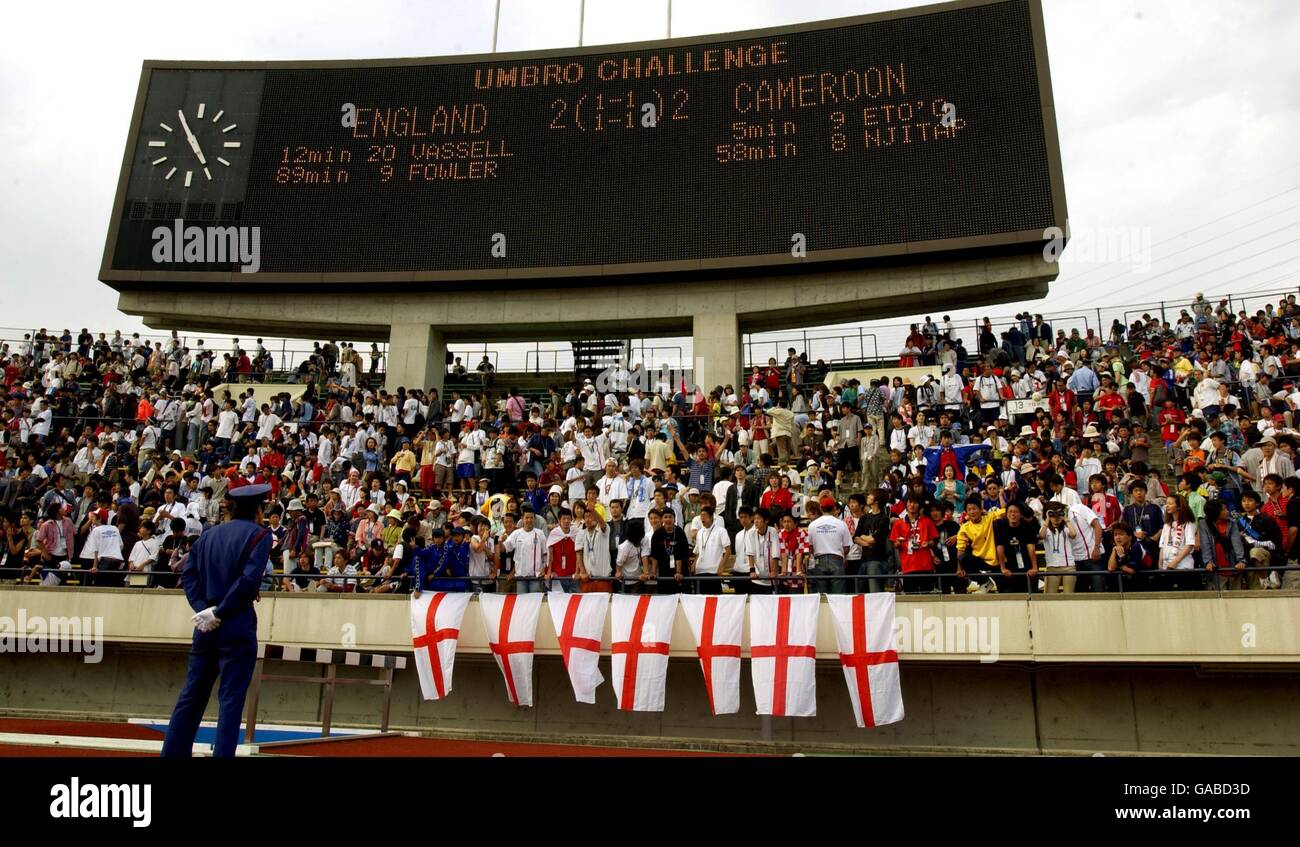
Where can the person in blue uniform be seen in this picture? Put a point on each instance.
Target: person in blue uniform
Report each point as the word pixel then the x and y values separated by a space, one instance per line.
pixel 437 562
pixel 457 564
pixel 221 579
pixel 428 561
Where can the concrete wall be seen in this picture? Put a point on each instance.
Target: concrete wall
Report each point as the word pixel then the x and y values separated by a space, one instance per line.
pixel 1143 674
pixel 1239 629
pixel 950 707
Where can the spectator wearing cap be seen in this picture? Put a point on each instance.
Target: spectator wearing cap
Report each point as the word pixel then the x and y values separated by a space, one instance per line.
pixel 297 539
pixel 1272 461
pixel 368 528
pixel 829 541
pixel 550 514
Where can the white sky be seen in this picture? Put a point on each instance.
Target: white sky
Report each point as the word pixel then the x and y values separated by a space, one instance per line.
pixel 1176 116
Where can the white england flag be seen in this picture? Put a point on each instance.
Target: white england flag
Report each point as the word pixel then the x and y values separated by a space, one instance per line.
pixel 435 627
pixel 864 629
pixel 510 621
pixel 716 623
pixel 783 653
pixel 641 628
pixel 579 621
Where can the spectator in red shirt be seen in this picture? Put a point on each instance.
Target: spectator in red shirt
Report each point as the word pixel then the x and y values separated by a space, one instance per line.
pixel 1171 423
pixel 913 536
pixel 777 499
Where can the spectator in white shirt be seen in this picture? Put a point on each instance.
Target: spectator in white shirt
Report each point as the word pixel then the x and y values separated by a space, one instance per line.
pixel 830 542
pixel 712 549
pixel 528 544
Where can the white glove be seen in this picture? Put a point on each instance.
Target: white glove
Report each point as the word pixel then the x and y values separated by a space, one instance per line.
pixel 206 620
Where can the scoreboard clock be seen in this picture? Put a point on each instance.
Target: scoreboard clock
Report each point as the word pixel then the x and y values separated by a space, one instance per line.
pixel 887 137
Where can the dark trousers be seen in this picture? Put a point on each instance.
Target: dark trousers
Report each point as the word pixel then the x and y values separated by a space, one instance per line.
pixel 1093 577
pixel 1018 583
pixel 973 565
pixel 917 583
pixel 231 653
pixel 1177 580
pixel 668 585
pixel 871 576
pixel 708 585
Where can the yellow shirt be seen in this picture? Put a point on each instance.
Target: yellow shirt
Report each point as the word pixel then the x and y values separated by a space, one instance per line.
pixel 657 454
pixel 978 537
pixel 404 461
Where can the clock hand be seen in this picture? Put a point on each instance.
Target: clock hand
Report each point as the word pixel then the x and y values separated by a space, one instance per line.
pixel 194 142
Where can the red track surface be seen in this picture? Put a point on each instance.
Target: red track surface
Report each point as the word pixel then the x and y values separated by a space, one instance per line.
pixel 85 729
pixel 445 747
pixel 399 746
pixel 41 752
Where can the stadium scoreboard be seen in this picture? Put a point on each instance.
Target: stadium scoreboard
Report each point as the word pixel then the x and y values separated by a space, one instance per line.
pixel 923 131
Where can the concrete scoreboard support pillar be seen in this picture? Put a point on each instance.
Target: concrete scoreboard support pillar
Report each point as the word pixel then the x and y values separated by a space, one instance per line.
pixel 417 357
pixel 718 359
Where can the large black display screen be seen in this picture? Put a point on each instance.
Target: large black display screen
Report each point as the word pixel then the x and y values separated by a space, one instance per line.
pixel 851 139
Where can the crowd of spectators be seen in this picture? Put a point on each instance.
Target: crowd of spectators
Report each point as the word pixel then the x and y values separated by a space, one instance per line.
pixel 1162 457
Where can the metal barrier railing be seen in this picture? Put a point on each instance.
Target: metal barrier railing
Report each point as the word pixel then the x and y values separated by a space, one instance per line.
pixel 794 582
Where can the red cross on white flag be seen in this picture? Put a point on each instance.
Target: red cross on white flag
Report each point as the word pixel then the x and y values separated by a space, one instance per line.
pixel 435 627
pixel 641 628
pixel 579 621
pixel 716 622
pixel 783 653
pixel 511 624
pixel 864 629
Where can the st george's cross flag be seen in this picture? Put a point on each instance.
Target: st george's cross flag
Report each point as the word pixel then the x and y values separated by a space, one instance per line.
pixel 716 622
pixel 864 629
pixel 641 629
pixel 435 627
pixel 510 621
pixel 783 653
pixel 579 621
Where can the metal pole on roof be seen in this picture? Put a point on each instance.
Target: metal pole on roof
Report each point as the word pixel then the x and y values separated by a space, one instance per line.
pixel 496 21
pixel 669 29
pixel 582 18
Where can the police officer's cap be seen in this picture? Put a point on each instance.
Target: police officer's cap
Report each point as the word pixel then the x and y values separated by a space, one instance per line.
pixel 258 491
